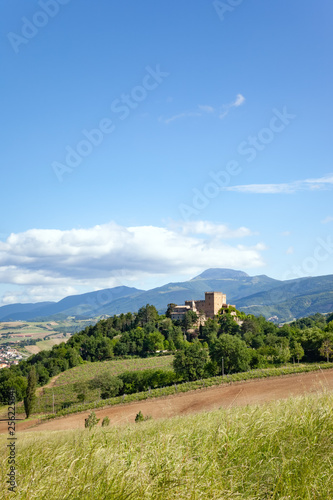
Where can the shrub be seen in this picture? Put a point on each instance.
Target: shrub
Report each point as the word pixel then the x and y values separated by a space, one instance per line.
pixel 91 421
pixel 105 422
pixel 140 418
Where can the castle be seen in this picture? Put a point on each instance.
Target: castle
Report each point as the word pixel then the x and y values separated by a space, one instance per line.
pixel 208 308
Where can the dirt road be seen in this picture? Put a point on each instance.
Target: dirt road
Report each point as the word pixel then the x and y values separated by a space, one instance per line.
pixel 237 394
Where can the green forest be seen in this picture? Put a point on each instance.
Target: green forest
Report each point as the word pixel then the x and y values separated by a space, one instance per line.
pixel 221 345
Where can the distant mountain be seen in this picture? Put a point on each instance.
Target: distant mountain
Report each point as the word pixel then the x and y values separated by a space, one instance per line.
pixel 292 299
pixel 221 274
pixel 252 294
pixel 85 305
pixel 12 309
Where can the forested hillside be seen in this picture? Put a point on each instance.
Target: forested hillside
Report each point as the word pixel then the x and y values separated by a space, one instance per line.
pixel 198 351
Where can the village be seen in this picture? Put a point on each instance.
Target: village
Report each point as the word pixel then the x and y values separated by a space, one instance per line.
pixel 9 356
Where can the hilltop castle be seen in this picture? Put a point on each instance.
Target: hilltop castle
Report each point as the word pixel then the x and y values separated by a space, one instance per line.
pixel 208 308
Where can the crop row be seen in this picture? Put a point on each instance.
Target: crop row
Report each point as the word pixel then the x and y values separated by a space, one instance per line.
pixel 190 386
pixel 88 370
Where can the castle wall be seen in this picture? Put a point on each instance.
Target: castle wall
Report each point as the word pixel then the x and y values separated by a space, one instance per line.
pixel 213 303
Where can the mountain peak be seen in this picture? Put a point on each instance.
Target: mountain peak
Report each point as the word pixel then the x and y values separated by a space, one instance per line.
pixel 219 273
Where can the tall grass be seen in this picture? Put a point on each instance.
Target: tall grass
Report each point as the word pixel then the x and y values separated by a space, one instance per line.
pixel 282 450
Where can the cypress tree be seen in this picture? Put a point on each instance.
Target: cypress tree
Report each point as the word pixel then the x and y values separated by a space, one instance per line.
pixel 30 398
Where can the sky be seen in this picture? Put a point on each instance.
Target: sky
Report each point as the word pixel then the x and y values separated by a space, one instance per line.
pixel 144 142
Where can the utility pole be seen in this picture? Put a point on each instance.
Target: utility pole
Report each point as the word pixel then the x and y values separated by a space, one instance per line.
pixel 53 400
pixel 222 367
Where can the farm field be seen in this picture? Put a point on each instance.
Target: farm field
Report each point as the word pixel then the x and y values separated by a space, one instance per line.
pixel 45 345
pixel 277 450
pixel 224 396
pixel 61 392
pixel 48 333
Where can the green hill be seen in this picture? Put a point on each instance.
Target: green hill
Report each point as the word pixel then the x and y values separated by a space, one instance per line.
pixel 295 299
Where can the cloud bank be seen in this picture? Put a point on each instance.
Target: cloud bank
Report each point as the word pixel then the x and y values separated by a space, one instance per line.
pixel 111 255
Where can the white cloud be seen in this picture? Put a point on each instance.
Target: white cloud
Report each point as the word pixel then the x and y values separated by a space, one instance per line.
pixel 38 294
pixel 206 108
pixel 212 229
pixel 187 114
pixel 290 251
pixel 327 220
pixel 240 99
pixel 111 255
pixel 285 188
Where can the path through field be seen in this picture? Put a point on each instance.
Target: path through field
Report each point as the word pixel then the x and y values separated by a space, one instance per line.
pixel 237 394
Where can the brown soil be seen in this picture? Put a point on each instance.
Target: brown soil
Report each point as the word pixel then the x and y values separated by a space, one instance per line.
pixel 33 349
pixel 237 394
pixel 7 324
pixel 51 383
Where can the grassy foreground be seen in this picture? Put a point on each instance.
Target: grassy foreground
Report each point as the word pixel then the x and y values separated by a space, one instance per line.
pixel 282 450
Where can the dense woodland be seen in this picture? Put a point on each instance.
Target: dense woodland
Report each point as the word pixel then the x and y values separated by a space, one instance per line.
pixel 257 343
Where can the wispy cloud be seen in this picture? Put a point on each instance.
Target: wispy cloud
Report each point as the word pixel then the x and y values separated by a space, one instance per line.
pixel 206 109
pixel 240 99
pixel 208 228
pixel 327 220
pixel 203 109
pixel 187 114
pixel 285 188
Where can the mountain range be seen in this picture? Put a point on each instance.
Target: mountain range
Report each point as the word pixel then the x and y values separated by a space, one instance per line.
pixel 283 300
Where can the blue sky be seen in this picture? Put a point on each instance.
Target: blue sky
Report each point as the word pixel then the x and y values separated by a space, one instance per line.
pixel 144 142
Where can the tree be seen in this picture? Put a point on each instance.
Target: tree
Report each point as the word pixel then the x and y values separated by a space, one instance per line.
pixel 30 398
pixel 82 389
pixel 109 385
pixel 209 330
pixel 154 342
pixel 170 309
pixel 146 314
pixel 8 381
pixel 228 325
pixel 190 319
pixel 96 348
pixel 42 374
pixel 190 362
pixel 326 349
pixel 311 340
pixel 233 350
pixel 297 351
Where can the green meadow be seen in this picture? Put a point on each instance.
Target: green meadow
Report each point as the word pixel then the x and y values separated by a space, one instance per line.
pixel 63 392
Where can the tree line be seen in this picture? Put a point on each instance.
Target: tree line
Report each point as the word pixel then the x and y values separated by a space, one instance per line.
pixel 198 352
